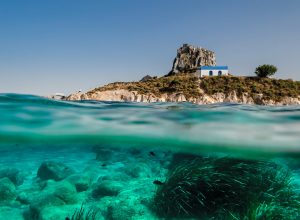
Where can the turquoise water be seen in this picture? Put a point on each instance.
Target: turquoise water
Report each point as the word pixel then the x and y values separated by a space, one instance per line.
pixel 111 160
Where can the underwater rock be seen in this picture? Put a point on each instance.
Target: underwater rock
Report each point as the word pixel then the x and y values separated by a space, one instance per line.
pixel 24 198
pixel 106 188
pixel 53 170
pixel 15 175
pixel 81 182
pixel 7 190
pixel 54 213
pixel 63 190
pixel 54 194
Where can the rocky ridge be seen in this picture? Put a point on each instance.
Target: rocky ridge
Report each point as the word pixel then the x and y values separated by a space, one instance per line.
pixel 122 95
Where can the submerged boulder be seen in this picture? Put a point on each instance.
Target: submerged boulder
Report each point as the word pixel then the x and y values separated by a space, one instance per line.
pixel 7 190
pixel 63 190
pixel 53 195
pixel 106 188
pixel 81 182
pixel 54 170
pixel 15 175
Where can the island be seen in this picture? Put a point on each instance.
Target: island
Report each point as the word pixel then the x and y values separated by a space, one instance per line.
pixel 196 78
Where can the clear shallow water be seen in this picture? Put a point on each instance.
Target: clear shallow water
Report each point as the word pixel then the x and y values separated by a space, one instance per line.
pixel 130 158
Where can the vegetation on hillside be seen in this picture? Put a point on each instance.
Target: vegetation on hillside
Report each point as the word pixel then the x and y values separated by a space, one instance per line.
pixel 274 89
pixel 191 86
pixel 181 83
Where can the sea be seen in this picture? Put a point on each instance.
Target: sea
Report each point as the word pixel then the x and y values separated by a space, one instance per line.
pixel 90 160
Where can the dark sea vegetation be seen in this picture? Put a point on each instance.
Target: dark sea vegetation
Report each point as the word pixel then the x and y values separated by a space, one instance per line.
pixel 84 214
pixel 227 188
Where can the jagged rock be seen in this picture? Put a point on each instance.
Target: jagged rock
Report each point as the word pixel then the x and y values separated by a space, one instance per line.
pixel 190 57
pixel 7 190
pixel 53 170
pixel 15 175
pixel 146 78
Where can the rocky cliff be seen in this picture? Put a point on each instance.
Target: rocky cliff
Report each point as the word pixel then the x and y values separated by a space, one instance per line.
pixel 190 57
pixel 123 95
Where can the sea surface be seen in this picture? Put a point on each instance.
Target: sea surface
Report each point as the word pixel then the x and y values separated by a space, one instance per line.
pixel 88 160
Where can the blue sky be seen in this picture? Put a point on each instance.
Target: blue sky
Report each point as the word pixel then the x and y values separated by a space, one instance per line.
pixel 64 45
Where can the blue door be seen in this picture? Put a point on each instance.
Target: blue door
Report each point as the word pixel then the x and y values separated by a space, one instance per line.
pixel 220 73
pixel 210 72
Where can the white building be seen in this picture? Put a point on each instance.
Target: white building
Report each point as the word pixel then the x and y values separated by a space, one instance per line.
pixel 212 71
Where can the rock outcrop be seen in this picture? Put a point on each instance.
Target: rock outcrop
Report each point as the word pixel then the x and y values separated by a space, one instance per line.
pixel 15 175
pixel 7 190
pixel 53 170
pixel 123 95
pixel 190 57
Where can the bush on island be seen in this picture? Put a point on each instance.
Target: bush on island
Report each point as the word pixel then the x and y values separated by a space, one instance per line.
pixel 265 70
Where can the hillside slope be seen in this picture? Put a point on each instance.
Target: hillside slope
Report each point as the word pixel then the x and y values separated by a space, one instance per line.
pixel 187 87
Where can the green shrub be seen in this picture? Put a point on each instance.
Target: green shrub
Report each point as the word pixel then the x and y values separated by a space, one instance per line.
pixel 265 70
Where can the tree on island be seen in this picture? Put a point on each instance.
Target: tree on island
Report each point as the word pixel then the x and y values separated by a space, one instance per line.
pixel 265 70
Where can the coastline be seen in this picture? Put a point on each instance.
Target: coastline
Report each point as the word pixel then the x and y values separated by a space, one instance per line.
pixel 188 88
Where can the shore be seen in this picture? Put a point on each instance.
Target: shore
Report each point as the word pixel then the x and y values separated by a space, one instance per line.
pixel 208 90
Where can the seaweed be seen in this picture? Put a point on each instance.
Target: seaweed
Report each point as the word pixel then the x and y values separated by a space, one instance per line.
pixel 228 188
pixel 84 214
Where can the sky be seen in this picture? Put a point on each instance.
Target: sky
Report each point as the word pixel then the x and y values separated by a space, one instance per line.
pixel 62 46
